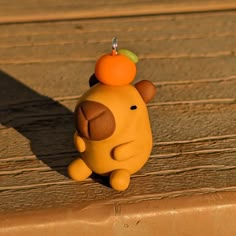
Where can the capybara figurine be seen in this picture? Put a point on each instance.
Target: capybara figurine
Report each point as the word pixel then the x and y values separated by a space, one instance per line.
pixel 113 133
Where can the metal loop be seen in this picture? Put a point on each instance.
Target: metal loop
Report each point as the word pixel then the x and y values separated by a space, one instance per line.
pixel 114 44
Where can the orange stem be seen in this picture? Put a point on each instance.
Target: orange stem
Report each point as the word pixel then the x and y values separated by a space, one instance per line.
pixel 114 52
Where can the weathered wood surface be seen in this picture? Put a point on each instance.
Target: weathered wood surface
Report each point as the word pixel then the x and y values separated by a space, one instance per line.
pixel 43 10
pixel 45 68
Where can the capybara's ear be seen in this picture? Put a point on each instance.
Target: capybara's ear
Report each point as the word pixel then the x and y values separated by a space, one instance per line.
pixel 146 89
pixel 93 80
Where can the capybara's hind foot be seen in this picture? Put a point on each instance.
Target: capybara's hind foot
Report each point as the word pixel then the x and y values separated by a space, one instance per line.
pixel 78 170
pixel 119 179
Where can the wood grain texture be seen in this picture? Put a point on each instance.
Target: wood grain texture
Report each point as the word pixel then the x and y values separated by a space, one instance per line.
pixel 165 37
pixel 28 11
pixel 44 69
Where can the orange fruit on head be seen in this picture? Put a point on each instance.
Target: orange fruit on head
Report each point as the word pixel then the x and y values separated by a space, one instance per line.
pixel 115 69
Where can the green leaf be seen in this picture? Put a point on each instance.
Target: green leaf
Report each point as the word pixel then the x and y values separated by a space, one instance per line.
pixel 128 54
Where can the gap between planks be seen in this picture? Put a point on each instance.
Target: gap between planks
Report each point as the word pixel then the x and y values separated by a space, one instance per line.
pixel 141 57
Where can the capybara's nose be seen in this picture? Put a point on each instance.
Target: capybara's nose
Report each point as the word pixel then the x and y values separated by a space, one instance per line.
pixel 94 121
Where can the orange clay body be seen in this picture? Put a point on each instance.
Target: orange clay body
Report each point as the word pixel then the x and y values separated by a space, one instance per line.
pixel 129 146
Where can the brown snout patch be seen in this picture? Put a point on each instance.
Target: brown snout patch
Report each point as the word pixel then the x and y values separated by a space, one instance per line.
pixel 94 120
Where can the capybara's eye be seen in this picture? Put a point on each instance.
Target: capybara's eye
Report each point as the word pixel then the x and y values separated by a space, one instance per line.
pixel 133 107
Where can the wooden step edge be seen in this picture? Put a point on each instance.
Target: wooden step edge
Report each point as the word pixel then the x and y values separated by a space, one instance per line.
pixel 208 214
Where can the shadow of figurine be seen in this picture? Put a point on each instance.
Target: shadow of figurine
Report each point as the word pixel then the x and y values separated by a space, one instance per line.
pixel 48 125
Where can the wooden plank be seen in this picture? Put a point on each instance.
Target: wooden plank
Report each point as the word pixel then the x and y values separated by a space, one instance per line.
pixel 59 142
pixel 163 119
pixel 205 114
pixel 171 26
pixel 17 177
pixel 165 156
pixel 169 92
pixel 213 47
pixel 93 31
pixel 28 11
pixel 170 76
pixel 45 195
pixel 179 41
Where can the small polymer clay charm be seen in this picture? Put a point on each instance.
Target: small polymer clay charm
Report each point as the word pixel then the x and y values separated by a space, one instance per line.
pixel 113 133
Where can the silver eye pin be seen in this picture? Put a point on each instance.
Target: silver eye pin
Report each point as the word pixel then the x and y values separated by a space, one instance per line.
pixel 114 46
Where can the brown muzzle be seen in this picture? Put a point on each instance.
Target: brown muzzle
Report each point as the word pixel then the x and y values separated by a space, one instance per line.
pixel 94 120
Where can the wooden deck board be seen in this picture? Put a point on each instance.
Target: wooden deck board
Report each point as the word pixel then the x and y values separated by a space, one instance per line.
pixel 44 69
pixel 29 11
pixel 166 38
pixel 168 75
